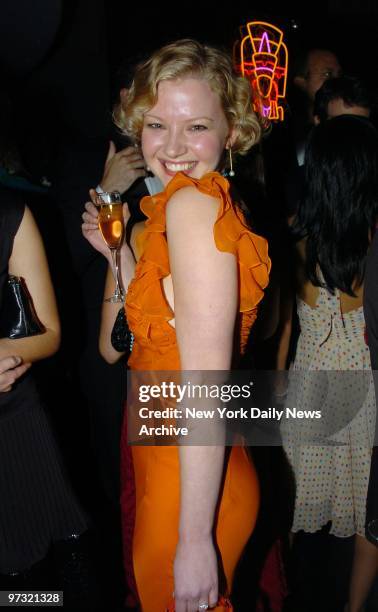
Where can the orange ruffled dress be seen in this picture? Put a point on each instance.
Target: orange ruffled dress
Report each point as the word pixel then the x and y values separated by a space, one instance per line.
pixel 155 348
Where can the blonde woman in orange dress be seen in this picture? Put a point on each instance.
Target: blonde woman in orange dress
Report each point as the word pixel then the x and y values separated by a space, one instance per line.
pixel 195 277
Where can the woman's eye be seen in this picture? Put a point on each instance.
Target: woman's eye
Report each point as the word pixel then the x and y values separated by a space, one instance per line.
pixel 198 128
pixel 154 126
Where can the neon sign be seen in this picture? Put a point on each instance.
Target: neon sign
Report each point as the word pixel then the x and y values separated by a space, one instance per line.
pixel 263 59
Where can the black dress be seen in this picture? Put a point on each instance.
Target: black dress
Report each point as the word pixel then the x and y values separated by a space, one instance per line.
pixel 37 504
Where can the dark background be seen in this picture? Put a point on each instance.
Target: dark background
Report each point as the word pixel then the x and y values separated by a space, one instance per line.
pixel 61 55
pixel 58 59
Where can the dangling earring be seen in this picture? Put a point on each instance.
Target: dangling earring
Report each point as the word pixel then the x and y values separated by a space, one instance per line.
pixel 231 171
pixel 148 168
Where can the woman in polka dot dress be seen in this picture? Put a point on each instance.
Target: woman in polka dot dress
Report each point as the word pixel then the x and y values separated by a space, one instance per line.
pixel 334 228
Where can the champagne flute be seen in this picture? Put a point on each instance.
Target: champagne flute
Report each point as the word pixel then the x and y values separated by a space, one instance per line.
pixel 111 225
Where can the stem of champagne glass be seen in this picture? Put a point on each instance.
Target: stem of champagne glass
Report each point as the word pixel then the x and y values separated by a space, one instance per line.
pixel 117 290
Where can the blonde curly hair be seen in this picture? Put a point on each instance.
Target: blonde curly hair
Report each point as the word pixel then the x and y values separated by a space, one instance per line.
pixel 189 58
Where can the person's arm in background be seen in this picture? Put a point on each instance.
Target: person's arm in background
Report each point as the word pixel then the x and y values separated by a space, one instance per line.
pixel 285 325
pixel 122 169
pixel 205 314
pixel 108 316
pixel 371 301
pixel 371 320
pixel 28 259
pixel 285 329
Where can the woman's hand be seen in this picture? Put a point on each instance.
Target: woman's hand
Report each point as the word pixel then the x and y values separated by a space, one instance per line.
pixel 11 368
pixel 90 228
pixel 91 231
pixel 195 575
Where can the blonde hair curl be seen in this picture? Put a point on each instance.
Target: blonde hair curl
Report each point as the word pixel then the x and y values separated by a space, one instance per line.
pixel 189 58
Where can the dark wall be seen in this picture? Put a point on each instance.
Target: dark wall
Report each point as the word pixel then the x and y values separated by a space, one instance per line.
pixel 55 55
pixel 27 32
pixel 69 48
pixel 74 77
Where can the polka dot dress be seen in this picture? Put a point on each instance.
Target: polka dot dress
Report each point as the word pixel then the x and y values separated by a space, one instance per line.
pixel 331 456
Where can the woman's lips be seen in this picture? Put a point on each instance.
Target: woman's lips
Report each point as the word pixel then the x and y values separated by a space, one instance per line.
pixel 172 168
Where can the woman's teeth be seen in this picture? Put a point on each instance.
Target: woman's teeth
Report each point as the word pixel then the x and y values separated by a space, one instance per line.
pixel 179 167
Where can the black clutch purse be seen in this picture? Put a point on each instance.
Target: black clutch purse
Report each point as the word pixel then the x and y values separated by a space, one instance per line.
pixel 121 338
pixel 18 318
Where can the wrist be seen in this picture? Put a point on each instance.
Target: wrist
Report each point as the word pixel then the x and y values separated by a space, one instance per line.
pixel 106 187
pixel 195 536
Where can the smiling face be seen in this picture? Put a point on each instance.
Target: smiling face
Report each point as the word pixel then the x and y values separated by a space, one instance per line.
pixel 186 131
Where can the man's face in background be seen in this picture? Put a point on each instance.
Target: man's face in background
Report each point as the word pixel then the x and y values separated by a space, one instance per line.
pixel 321 65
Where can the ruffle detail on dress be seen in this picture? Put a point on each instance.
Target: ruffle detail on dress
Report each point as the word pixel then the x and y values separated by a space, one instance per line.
pixel 145 300
pixel 231 234
pixel 146 304
pixel 152 239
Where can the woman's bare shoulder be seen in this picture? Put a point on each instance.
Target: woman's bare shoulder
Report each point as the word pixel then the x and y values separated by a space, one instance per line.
pixel 190 204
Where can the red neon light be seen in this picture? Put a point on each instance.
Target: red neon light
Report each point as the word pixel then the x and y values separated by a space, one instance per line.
pixel 264 60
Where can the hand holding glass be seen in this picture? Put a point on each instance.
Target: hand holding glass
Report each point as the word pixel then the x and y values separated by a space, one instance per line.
pixel 111 225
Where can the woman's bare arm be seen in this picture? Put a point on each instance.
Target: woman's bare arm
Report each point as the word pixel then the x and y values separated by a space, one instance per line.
pixel 285 330
pixel 108 316
pixel 205 290
pixel 28 259
pixel 110 311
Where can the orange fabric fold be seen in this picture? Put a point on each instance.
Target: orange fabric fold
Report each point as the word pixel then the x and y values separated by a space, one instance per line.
pixel 148 311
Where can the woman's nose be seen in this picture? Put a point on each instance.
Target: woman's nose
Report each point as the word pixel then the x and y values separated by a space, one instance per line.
pixel 175 144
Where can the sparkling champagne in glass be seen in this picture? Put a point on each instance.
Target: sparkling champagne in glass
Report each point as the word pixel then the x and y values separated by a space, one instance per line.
pixel 111 224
